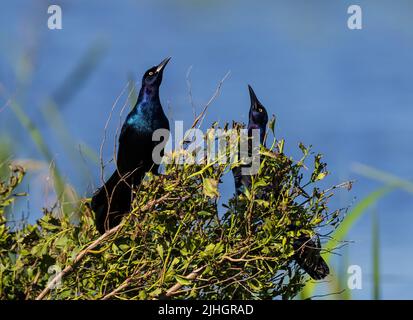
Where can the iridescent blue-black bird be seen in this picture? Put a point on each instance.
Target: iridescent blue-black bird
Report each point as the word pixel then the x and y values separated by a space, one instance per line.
pixel 307 250
pixel 257 119
pixel 134 158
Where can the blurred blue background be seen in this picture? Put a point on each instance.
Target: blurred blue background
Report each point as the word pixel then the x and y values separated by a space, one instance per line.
pixel 346 92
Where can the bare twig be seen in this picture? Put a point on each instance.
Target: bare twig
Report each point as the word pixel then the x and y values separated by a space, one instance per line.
pixel 102 165
pixel 5 105
pixel 198 120
pixel 189 86
pixel 125 284
pixel 201 116
pixel 192 276
pixel 328 294
pixel 115 147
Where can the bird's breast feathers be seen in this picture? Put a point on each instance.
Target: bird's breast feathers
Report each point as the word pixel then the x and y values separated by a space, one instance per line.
pixel 147 118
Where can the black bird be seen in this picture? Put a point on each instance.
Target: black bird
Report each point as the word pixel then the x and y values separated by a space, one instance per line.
pixel 307 254
pixel 257 119
pixel 134 158
pixel 307 250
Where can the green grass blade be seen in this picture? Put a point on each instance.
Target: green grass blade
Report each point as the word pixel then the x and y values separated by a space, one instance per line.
pixel 53 117
pixel 64 93
pixel 5 155
pixel 36 136
pixel 77 78
pixel 352 217
pixel 31 128
pixel 381 176
pixel 376 256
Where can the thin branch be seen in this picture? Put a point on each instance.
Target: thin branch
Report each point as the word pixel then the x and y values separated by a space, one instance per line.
pixel 8 102
pixel 125 284
pixel 102 165
pixel 189 86
pixel 119 126
pixel 192 276
pixel 201 116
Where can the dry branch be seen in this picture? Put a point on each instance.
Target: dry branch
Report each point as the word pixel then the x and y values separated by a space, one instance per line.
pixel 192 276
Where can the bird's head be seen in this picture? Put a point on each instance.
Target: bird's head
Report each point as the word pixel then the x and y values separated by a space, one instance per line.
pixel 153 77
pixel 258 116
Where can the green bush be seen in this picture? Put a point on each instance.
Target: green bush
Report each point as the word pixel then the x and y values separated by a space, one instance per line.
pixel 174 243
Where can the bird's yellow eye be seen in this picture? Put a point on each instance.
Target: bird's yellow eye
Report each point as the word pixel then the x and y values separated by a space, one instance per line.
pixel 151 73
pixel 260 110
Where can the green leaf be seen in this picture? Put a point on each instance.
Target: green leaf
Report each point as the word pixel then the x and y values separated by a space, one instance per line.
pixel 260 183
pixel 155 292
pixel 210 247
pixel 271 124
pixel 124 247
pixel 61 242
pixel 159 249
pixel 263 203
pixel 210 188
pixel 142 295
pixel 321 176
pixel 205 214
pixel 182 281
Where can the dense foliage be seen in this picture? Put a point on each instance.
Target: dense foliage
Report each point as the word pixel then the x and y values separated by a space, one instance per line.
pixel 174 243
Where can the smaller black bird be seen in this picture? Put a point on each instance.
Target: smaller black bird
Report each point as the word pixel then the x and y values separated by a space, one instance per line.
pixel 307 250
pixel 257 119
pixel 307 255
pixel 134 160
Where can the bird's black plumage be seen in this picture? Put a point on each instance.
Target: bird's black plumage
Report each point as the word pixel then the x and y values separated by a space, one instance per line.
pixel 307 250
pixel 134 157
pixel 257 119
pixel 307 255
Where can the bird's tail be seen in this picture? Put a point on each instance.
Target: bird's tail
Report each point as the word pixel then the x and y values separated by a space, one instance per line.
pixel 307 255
pixel 110 202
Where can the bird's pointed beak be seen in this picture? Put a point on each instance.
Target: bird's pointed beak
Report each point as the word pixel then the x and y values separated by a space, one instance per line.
pixel 254 99
pixel 162 65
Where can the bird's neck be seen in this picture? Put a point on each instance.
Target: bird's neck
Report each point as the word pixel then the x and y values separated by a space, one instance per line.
pixel 252 125
pixel 147 109
pixel 148 94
